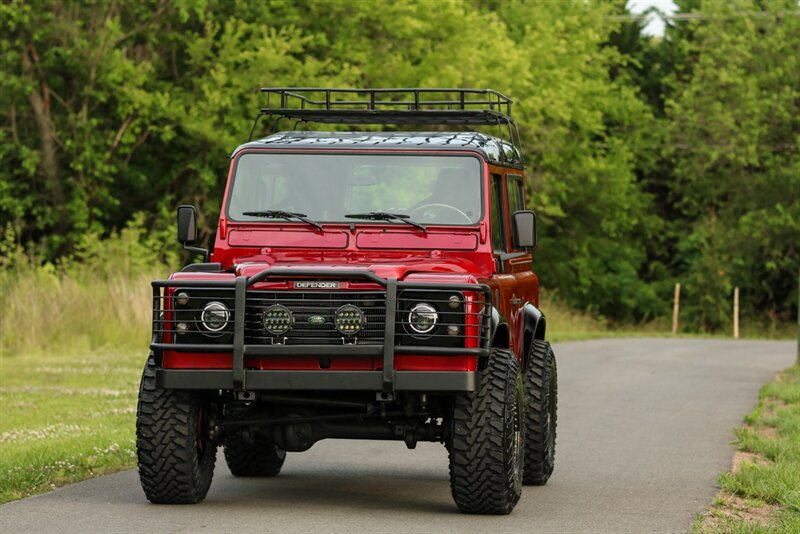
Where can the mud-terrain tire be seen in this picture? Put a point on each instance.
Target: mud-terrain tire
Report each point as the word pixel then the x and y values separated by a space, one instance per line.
pixel 257 457
pixel 487 448
pixel 176 461
pixel 541 410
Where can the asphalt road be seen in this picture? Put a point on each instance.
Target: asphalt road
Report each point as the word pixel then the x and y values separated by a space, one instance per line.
pixel 644 430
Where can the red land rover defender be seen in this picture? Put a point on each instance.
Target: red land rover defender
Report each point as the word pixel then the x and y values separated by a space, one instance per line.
pixel 361 285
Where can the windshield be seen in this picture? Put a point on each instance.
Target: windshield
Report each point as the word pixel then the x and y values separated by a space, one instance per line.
pixel 327 187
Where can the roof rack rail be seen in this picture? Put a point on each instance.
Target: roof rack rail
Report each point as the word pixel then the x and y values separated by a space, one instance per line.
pixel 327 105
pixel 389 106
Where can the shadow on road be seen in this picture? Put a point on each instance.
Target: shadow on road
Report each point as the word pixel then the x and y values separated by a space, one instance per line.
pixel 334 488
pixel 367 490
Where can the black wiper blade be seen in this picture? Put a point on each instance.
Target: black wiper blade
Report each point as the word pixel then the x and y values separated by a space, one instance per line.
pixel 279 214
pixel 386 216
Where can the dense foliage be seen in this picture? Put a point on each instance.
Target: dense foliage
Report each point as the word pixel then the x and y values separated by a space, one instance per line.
pixel 651 160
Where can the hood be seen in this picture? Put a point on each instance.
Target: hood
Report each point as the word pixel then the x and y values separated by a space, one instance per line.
pixel 457 268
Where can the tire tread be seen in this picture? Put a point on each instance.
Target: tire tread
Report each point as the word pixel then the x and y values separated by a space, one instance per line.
pixel 259 458
pixel 540 372
pixel 481 469
pixel 170 469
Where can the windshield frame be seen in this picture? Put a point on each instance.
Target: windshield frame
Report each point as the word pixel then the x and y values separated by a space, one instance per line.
pixel 360 222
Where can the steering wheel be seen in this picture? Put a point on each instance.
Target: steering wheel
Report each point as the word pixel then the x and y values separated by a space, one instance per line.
pixel 440 206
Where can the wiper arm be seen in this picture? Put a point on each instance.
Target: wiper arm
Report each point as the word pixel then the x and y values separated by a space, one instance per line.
pixel 386 216
pixel 288 215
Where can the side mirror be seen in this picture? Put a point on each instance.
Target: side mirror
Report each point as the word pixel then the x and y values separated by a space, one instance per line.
pixel 523 229
pixel 187 230
pixel 187 225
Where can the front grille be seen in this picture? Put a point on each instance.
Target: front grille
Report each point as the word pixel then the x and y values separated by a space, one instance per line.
pixel 305 304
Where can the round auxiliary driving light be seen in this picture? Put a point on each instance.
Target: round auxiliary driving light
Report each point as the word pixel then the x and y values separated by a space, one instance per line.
pixel 214 317
pixel 182 299
pixel 277 319
pixel 349 320
pixel 422 318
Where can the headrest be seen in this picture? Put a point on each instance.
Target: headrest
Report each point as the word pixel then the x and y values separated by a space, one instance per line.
pixel 449 181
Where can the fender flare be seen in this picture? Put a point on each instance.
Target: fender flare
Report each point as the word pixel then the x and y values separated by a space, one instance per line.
pixel 500 333
pixel 534 325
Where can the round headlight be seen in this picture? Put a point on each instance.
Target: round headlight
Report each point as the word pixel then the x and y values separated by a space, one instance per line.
pixel 349 320
pixel 214 317
pixel 277 319
pixel 422 318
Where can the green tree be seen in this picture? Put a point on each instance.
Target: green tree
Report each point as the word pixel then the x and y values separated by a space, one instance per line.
pixel 735 133
pixel 584 129
pixel 79 100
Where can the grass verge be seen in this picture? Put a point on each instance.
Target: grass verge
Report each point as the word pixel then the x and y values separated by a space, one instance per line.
pixel 762 491
pixel 567 324
pixel 65 419
pixel 73 341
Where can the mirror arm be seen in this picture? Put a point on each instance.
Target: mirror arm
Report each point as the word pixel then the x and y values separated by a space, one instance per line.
pixel 198 250
pixel 514 255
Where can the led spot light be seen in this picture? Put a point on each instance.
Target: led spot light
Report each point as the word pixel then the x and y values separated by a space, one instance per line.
pixel 277 319
pixel 349 320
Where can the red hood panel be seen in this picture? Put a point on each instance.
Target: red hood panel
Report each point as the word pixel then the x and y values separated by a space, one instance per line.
pixel 385 269
pixel 404 240
pixel 287 238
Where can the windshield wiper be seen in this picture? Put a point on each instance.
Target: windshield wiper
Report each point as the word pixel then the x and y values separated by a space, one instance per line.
pixel 386 216
pixel 288 215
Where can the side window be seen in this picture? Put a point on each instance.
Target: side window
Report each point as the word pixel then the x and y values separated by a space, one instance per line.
pixel 516 199
pixel 498 221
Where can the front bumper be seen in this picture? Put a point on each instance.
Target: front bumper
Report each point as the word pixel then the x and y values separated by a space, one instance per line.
pixel 388 379
pixel 430 381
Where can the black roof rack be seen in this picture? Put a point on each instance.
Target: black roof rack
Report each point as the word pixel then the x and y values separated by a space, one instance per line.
pixel 443 106
pixel 389 106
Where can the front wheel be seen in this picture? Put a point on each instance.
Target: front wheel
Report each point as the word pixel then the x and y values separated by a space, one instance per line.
pixel 176 459
pixel 487 447
pixel 541 403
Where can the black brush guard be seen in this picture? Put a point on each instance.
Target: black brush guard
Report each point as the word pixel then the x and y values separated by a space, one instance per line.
pixel 386 380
